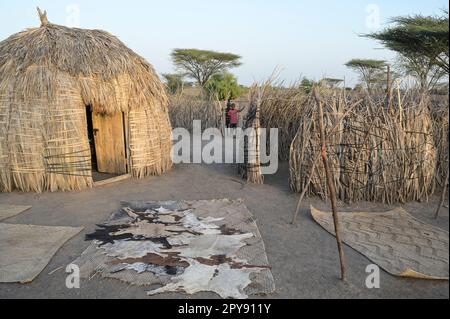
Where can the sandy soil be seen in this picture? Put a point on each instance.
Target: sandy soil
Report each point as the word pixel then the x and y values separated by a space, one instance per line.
pixel 304 257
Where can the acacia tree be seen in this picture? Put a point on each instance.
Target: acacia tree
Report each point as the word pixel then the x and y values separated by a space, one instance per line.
pixel 423 44
pixel 368 69
pixel 427 73
pixel 201 65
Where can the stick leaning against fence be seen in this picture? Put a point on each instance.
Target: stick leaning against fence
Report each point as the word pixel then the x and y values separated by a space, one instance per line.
pixel 331 187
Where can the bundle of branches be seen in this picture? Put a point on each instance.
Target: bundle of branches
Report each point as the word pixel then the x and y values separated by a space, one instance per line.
pixel 375 153
pixel 251 168
pixel 185 108
pixel 282 108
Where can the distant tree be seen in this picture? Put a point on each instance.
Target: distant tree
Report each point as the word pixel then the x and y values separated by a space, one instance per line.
pixel 427 73
pixel 306 85
pixel 224 86
pixel 423 44
pixel 174 82
pixel 201 65
pixel 380 82
pixel 369 70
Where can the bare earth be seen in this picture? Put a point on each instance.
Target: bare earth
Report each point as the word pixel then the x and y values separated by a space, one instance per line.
pixel 304 257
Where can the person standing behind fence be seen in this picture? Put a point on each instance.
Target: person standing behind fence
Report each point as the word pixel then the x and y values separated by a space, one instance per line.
pixel 233 113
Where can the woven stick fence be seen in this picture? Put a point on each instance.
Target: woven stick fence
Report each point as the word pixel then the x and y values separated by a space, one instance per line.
pixel 375 154
pixel 184 109
pixel 440 117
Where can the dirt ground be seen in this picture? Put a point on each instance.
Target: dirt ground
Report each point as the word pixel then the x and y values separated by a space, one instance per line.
pixel 304 257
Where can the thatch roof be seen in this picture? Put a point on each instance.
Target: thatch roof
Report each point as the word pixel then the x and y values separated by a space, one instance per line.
pixel 87 55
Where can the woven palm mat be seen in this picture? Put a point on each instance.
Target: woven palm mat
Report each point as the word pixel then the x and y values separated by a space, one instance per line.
pixel 25 250
pixel 395 241
pixel 185 246
pixel 8 211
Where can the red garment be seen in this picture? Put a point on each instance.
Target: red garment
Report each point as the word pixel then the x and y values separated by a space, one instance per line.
pixel 234 116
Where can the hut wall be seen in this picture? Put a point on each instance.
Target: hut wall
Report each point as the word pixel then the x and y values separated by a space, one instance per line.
pixel 5 175
pixel 43 139
pixel 150 141
pixel 67 154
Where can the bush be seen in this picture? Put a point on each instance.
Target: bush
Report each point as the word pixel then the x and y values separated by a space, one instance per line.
pixel 223 87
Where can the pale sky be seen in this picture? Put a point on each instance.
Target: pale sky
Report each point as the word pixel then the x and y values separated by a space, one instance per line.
pixel 300 38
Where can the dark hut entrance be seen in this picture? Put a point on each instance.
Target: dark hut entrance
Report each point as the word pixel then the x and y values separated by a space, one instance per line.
pixel 107 141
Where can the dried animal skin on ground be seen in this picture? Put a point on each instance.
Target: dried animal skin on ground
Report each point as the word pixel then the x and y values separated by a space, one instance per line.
pixel 181 239
pixel 219 234
pixel 167 219
pixel 221 279
pixel 171 259
pixel 212 245
pixel 191 222
pixel 155 269
pixel 132 249
pixel 233 262
pixel 145 229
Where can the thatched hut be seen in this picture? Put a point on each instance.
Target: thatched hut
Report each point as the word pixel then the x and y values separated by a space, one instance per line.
pixel 73 101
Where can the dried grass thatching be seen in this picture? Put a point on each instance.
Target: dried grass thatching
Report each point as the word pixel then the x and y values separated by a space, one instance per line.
pixel 375 154
pixel 48 75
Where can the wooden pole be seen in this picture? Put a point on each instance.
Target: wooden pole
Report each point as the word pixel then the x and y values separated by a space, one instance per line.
pixel 305 189
pixel 43 17
pixel 331 187
pixel 444 192
pixel 389 88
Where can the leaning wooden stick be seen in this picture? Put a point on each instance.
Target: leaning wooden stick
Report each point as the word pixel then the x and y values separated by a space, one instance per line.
pixel 305 189
pixel 331 187
pixel 444 192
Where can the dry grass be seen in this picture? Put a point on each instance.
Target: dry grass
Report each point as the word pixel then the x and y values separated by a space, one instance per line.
pixel 375 154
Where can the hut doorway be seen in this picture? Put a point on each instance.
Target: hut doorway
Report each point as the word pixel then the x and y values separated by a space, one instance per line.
pixel 108 144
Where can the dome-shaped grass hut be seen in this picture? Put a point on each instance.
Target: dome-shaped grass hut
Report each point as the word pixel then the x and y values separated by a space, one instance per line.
pixel 73 102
